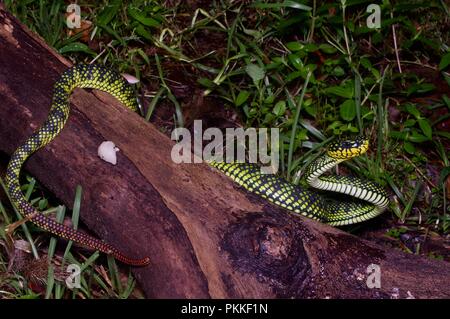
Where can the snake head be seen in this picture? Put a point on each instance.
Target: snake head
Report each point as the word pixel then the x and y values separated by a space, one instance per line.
pixel 346 149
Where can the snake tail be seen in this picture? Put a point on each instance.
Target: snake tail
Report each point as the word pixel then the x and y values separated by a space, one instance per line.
pixel 83 76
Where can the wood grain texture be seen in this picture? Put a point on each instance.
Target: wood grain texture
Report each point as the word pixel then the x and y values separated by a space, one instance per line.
pixel 205 236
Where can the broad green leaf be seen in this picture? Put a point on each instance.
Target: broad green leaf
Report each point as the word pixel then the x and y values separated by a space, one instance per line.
pixel 416 137
pixel 242 97
pixel 143 32
pixel 348 110
pixel 255 72
pixel 375 73
pixel 43 203
pixel 76 47
pixel 411 109
pixel 443 176
pixel 137 15
pixel 409 123
pixel 346 92
pixel 420 88
pixel 327 48
pixel 293 75
pixel 366 63
pixel 425 127
pixel 398 135
pixel 409 147
pixel 310 109
pixel 294 46
pixel 446 100
pixel 296 61
pixel 269 99
pixel 445 61
pixel 311 47
pixel 279 108
pixel 206 83
pixel 338 71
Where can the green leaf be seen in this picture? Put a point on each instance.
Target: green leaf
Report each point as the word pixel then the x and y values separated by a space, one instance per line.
pixel 143 32
pixel 411 109
pixel 398 135
pixel 109 12
pixel 137 15
pixel 425 127
pixel 409 123
pixel 375 73
pixel 338 71
pixel 348 110
pixel 42 204
pixel 409 147
pixel 206 83
pixel 269 99
pixel 446 100
pixel 294 46
pixel 445 61
pixel 443 176
pixel 310 109
pixel 255 72
pixel 279 108
pixel 311 47
pixel 293 75
pixel 242 97
pixel 76 47
pixel 346 92
pixel 416 137
pixel 366 63
pixel 420 88
pixel 296 61
pixel 327 48
pixel 443 133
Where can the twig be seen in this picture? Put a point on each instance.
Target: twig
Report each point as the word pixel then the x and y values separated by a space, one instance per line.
pixel 395 46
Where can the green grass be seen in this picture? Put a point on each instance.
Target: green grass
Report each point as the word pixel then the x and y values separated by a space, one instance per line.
pixel 95 280
pixel 312 69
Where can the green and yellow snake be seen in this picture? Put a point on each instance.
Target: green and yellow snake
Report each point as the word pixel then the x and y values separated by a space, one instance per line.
pixel 370 201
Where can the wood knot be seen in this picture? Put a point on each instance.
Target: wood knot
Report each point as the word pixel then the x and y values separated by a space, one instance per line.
pixel 274 242
pixel 268 244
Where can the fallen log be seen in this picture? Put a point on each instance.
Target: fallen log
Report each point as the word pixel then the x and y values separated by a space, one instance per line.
pixel 205 236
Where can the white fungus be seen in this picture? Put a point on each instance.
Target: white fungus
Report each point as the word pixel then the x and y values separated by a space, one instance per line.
pixel 107 152
pixel 130 78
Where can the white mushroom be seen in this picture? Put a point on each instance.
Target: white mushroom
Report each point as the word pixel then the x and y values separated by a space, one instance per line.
pixel 107 152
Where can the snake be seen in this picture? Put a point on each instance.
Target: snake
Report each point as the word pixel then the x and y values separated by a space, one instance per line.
pixel 366 198
pixel 82 76
pixel 369 201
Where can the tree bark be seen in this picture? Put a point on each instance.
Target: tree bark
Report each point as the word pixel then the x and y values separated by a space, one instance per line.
pixel 205 236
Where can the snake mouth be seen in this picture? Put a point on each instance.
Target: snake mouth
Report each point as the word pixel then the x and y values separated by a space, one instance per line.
pixel 346 149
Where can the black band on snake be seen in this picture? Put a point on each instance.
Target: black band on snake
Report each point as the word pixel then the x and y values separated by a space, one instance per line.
pixel 370 200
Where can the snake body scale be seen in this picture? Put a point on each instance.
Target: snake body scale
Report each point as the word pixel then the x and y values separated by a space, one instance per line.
pixel 370 199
